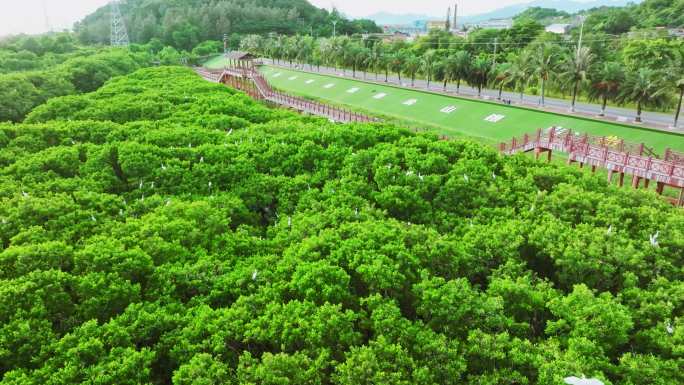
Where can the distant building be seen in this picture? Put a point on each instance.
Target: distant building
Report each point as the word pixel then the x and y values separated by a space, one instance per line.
pixel 435 24
pixel 495 24
pixel 388 37
pixel 406 29
pixel 560 29
pixel 678 32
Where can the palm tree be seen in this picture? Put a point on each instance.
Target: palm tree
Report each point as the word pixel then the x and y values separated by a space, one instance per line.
pixel 605 83
pixel 375 58
pixel 545 66
pixel 411 66
pixel 427 65
pixel 397 63
pixel 462 61
pixel 479 73
pixel 502 76
pixel 680 86
pixel 575 70
pixel 644 87
pixel 677 80
pixel 450 67
pixel 521 71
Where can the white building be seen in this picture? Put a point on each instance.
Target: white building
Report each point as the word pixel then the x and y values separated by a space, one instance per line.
pixel 495 24
pixel 560 29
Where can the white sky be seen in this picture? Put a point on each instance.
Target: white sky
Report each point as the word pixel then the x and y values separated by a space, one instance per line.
pixel 26 16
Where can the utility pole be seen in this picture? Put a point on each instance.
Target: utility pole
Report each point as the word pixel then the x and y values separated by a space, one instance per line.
pixel 48 27
pixel 334 26
pixel 496 45
pixel 579 42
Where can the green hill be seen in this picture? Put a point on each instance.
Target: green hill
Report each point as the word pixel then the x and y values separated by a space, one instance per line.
pixel 185 23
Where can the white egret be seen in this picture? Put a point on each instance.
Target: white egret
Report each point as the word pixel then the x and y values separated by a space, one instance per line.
pixel 465 177
pixel 493 175
pixel 610 230
pixel 289 221
pixel 230 131
pixel 92 218
pixel 140 186
pixel 24 194
pixel 202 159
pixel 654 239
pixel 163 167
pixel 254 275
pixel 669 329
pixel 582 381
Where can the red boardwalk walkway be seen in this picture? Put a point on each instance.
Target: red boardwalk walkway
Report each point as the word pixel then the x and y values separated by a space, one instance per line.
pixel 615 155
pixel 248 79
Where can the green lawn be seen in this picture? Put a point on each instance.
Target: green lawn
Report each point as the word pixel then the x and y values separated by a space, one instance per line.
pixel 217 62
pixel 468 117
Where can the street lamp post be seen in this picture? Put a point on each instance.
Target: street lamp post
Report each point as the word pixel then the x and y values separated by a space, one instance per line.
pixel 334 26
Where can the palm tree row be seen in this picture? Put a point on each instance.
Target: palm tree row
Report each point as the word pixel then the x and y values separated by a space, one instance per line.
pixel 539 66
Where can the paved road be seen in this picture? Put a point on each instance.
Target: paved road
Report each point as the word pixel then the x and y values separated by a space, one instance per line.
pixel 653 119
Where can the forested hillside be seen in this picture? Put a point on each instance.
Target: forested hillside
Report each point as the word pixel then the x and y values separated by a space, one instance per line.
pixel 164 229
pixel 82 71
pixel 185 23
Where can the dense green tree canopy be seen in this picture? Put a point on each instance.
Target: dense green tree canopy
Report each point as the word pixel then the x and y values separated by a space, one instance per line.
pixel 165 229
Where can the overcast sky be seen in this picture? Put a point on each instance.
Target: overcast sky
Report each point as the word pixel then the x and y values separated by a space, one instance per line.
pixel 27 16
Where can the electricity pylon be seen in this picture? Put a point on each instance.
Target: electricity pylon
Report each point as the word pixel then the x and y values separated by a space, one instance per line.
pixel 119 36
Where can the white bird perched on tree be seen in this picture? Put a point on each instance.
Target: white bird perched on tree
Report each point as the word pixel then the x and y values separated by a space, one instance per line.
pixel 163 167
pixel 3 221
pixel 190 145
pixel 229 132
pixel 141 184
pixel 493 175
pixel 121 212
pixel 210 184
pixel 152 185
pixel 356 212
pixel 201 159
pixel 289 221
pixel 582 381
pixel 168 202
pixel 668 328
pixel 409 173
pixel 654 239
pixel 465 177
pixel 610 230
pixel 254 275
pixel 24 194
pixel 92 218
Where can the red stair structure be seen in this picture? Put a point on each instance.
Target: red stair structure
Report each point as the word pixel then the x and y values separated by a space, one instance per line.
pixel 244 76
pixel 613 154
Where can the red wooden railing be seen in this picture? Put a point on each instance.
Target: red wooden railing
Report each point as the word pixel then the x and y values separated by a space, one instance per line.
pixel 613 154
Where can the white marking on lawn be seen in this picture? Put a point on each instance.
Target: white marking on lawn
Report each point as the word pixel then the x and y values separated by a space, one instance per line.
pixel 622 119
pixel 353 90
pixel 309 81
pixel 494 118
pixel 329 85
pixel 410 102
pixel 292 78
pixel 275 75
pixel 448 109
pixel 380 95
